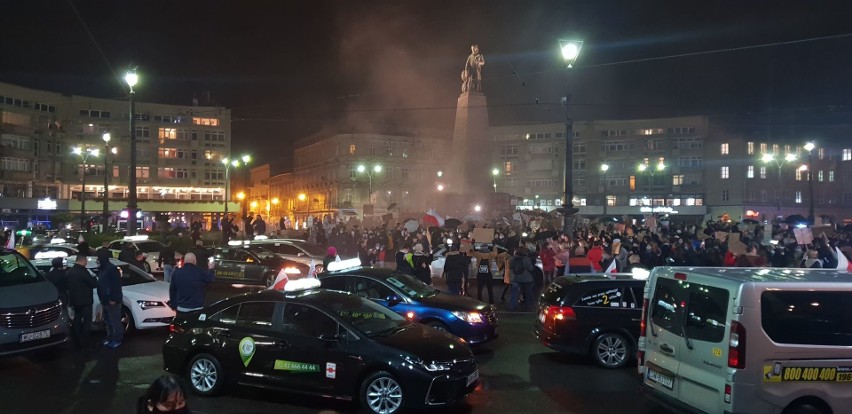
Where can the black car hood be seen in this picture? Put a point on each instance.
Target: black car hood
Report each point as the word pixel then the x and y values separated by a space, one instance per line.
pixel 453 302
pixel 427 343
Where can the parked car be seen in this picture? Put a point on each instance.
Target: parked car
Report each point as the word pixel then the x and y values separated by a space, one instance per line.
pixel 462 316
pixel 439 257
pixel 31 314
pixel 294 250
pixel 253 265
pixel 320 342
pixel 49 251
pixel 592 315
pixel 151 248
pixel 144 303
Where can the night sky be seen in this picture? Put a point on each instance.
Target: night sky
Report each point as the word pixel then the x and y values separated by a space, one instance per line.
pixel 289 69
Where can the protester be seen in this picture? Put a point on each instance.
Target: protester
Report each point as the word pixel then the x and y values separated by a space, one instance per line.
pixel 80 285
pixel 548 262
pixel 454 267
pixel 522 278
pixel 186 292
pixel 56 275
pixel 110 295
pixel 751 258
pixel 330 256
pixel 167 261
pixel 202 255
pixel 484 277
pixel 404 264
pixel 104 248
pixel 420 262
pixel 164 395
pixel 811 261
pixel 259 226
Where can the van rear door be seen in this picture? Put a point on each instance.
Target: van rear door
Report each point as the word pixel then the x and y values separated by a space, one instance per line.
pixel 664 340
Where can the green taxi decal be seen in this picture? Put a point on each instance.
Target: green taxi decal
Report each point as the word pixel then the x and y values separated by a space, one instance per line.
pixel 247 348
pixel 779 373
pixel 294 366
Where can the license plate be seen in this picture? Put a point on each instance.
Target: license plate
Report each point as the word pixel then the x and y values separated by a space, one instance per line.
pixel 472 378
pixel 33 336
pixel 541 317
pixel 661 379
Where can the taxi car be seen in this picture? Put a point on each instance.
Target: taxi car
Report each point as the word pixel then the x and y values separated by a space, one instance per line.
pixel 299 251
pixel 462 316
pixel 253 265
pixel 143 305
pixel 320 342
pixel 151 248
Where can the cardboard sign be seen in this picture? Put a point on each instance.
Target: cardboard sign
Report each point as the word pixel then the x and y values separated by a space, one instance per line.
pixel 818 231
pixel 721 236
pixel 803 235
pixel 619 228
pixel 737 247
pixel 702 236
pixel 483 235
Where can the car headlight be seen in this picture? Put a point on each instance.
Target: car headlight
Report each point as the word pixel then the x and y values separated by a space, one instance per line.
pixel 430 366
pixel 147 304
pixel 469 317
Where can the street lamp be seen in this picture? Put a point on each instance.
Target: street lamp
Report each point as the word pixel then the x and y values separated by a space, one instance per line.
pixel 228 163
pixel 769 159
pixel 132 79
pixel 440 187
pixel 377 169
pixel 570 52
pixel 269 204
pixel 494 174
pixel 84 155
pixel 604 169
pixel 105 213
pixel 809 147
pixel 246 159
pixel 651 172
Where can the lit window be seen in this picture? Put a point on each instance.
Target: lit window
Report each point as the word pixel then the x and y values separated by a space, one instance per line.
pixel 351 149
pixel 168 133
pixel 750 171
pixel 750 148
pixel 821 153
pixel 798 197
pixel 725 173
pixel 725 148
pixel 831 176
pixel 205 121
pixel 847 154
pixel 762 173
pixel 763 148
pixel 786 149
pixel 798 174
pixel 677 179
pixel 819 176
pixel 142 172
pixel 632 183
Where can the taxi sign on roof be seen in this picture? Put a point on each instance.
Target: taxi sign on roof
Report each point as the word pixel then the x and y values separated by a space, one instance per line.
pixel 302 284
pixel 343 264
pixel 136 238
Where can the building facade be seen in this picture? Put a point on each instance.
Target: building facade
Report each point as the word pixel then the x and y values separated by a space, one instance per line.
pixel 50 144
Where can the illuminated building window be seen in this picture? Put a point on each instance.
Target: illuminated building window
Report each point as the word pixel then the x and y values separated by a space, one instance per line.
pixel 750 148
pixel 677 179
pixel 819 176
pixel 750 171
pixel 763 148
pixel 831 176
pixel 798 197
pixel 763 173
pixel 205 121
pixel 725 148
pixel 351 149
pixel 142 172
pixel 847 154
pixel 632 183
pixel 725 174
pixel 168 133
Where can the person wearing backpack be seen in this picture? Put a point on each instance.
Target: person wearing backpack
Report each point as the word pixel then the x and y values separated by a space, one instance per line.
pixel 522 278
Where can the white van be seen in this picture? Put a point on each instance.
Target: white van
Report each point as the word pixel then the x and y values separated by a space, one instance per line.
pixel 748 340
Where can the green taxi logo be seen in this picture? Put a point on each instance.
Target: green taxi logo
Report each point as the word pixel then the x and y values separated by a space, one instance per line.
pixel 247 348
pixel 294 366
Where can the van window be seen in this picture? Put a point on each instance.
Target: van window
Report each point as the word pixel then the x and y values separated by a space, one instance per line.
pixel 705 308
pixel 807 318
pixel 601 297
pixel 16 270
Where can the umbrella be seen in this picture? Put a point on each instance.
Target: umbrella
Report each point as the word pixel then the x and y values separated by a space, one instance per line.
pixel 410 224
pixel 391 206
pixel 750 221
pixel 452 223
pixel 430 220
pixel 544 235
pixel 796 218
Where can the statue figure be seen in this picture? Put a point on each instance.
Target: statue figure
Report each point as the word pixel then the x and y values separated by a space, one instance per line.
pixel 471 75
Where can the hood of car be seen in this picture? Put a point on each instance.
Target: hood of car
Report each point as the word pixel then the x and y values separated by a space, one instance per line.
pixel 28 294
pixel 452 302
pixel 427 343
pixel 157 290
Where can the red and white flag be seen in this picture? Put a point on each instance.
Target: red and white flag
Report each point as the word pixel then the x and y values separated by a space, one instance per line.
pixel 842 261
pixel 433 218
pixel 612 268
pixel 10 244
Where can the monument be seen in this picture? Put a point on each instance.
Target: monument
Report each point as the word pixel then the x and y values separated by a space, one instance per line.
pixel 471 160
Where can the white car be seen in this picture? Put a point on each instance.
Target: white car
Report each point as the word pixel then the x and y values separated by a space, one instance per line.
pixel 151 248
pixel 144 302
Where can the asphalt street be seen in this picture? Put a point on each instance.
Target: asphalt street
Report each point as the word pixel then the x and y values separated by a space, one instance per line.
pixel 517 375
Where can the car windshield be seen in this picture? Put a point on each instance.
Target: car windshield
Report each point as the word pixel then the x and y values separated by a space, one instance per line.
pixel 411 287
pixel 261 252
pixel 16 270
pixel 130 275
pixel 365 315
pixel 150 246
pixel 312 249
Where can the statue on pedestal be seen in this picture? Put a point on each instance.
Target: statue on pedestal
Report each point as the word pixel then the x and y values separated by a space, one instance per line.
pixel 471 75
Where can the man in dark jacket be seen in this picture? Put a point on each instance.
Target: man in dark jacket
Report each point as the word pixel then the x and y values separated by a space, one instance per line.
pixel 522 278
pixel 186 292
pixel 202 255
pixel 455 266
pixel 167 261
pixel 80 285
pixel 110 295
pixel 57 277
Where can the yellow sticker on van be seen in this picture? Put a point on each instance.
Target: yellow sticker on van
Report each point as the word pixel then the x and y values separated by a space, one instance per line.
pixel 779 373
pixel 717 352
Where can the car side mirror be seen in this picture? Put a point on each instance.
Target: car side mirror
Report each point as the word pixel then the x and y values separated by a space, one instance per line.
pixel 393 300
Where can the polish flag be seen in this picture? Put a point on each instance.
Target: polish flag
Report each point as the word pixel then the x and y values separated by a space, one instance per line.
pixel 842 261
pixel 438 220
pixel 10 244
pixel 612 268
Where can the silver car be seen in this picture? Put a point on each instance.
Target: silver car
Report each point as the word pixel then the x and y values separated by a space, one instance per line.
pixel 31 314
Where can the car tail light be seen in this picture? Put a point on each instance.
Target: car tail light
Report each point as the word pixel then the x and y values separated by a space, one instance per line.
pixel 175 328
pixel 728 392
pixel 737 346
pixel 560 313
pixel 643 332
pixel 680 276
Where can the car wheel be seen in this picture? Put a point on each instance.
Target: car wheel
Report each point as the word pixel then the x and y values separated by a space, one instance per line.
pixel 205 374
pixel 611 350
pixel 437 325
pixel 127 320
pixel 269 279
pixel 804 408
pixel 381 394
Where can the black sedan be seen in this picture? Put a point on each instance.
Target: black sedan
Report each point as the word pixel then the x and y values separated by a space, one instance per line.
pixel 324 343
pixel 252 265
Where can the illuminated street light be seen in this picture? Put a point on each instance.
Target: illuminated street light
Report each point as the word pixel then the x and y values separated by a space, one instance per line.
pixel 768 158
pixel 570 50
pixel 440 174
pixel 84 156
pixel 105 214
pixel 809 147
pixel 477 208
pixel 651 172
pixel 604 169
pixel 253 204
pixel 440 187
pixel 302 197
pixel 132 199
pixel 494 174
pixel 376 169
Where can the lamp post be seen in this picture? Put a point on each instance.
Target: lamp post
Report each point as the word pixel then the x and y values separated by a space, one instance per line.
pixel 105 213
pixel 651 172
pixel 377 169
pixel 269 204
pixel 132 79
pixel 84 155
pixel 246 159
pixel 494 174
pixel 228 163
pixel 770 158
pixel 570 52
pixel 604 169
pixel 303 197
pixel 810 147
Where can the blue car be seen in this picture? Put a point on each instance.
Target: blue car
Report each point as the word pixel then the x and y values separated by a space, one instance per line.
pixel 467 318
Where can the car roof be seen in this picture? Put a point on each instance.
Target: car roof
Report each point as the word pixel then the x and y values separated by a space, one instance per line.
pixel 376 272
pixel 91 263
pixel 599 277
pixel 762 274
pixel 314 296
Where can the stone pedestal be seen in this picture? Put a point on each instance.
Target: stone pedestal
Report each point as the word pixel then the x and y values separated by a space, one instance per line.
pixel 470 172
